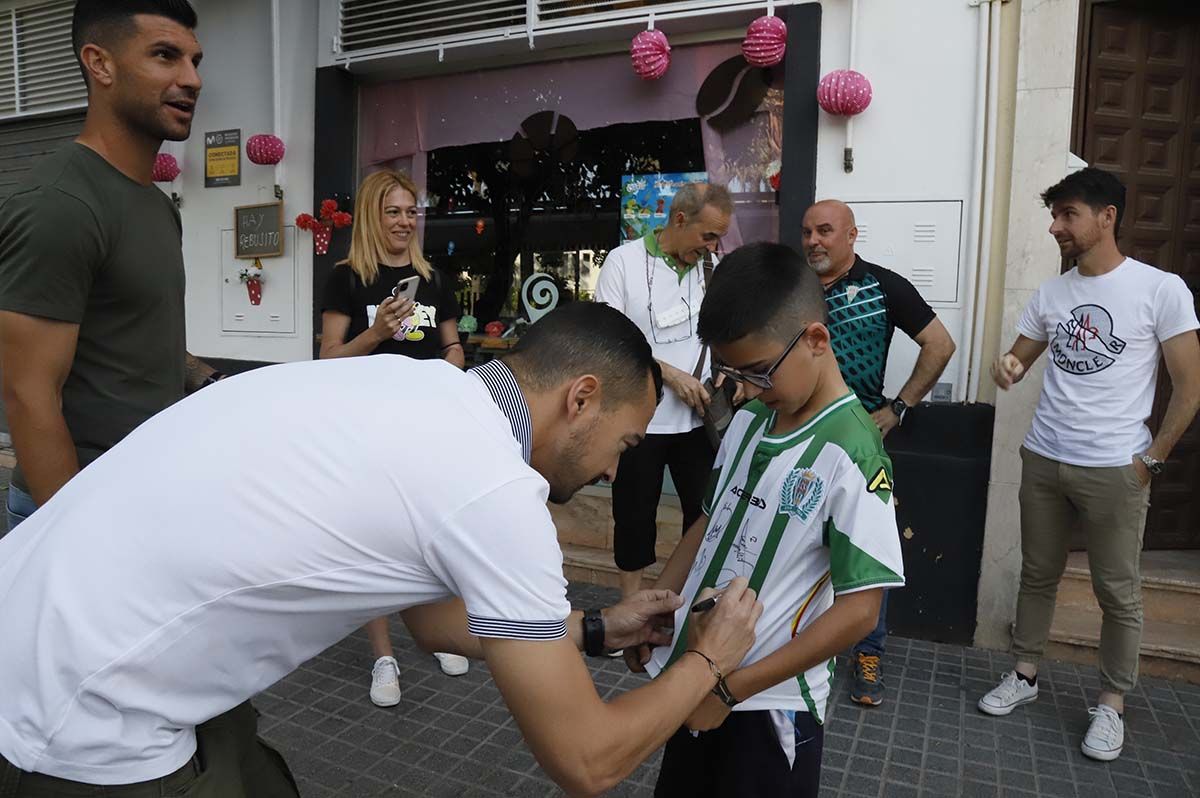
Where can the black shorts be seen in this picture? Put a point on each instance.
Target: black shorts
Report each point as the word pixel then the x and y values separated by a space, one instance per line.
pixel 638 487
pixel 742 758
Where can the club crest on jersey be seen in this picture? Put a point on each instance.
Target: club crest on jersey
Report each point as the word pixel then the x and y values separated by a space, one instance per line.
pixel 801 493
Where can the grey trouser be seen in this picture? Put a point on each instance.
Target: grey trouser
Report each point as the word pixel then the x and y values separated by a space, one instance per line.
pixel 1109 506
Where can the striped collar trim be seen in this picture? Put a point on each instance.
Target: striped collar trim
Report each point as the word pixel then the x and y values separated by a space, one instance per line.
pixel 808 425
pixel 506 393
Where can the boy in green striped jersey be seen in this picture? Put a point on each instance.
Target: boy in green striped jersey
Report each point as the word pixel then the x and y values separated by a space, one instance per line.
pixel 799 503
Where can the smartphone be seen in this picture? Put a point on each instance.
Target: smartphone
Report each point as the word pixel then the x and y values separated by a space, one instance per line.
pixel 407 288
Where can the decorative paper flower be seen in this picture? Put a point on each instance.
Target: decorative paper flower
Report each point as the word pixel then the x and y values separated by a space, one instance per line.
pixel 651 54
pixel 166 168
pixel 265 149
pixel 844 92
pixel 765 42
pixel 341 219
pixel 305 221
pixel 328 207
pixel 322 228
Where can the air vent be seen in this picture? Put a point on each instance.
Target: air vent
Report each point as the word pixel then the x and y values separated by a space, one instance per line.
pixel 367 24
pixel 38 72
pixel 924 233
pixel 550 10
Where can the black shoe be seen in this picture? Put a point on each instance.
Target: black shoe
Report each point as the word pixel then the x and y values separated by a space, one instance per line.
pixel 868 685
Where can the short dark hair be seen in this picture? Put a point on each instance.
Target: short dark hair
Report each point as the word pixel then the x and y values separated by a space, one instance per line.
pixel 1094 187
pixel 106 22
pixel 761 288
pixel 587 338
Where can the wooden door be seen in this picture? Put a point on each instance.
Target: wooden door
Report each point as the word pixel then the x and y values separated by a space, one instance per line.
pixel 1138 115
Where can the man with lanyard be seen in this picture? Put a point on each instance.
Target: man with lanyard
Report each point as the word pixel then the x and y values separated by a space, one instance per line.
pixel 654 280
pixel 91 260
pixel 866 304
pixel 135 629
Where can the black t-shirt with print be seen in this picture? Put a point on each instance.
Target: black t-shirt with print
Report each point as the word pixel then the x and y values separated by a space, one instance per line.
pixel 345 293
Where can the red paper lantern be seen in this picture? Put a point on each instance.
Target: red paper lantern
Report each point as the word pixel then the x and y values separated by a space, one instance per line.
pixel 651 54
pixel 265 149
pixel 765 42
pixel 166 168
pixel 844 92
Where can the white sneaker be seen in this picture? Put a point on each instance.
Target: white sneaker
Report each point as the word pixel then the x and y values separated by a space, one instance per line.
pixel 1105 736
pixel 453 664
pixel 385 682
pixel 1012 692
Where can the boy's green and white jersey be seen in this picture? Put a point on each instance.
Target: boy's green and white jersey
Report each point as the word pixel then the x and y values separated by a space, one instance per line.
pixel 804 516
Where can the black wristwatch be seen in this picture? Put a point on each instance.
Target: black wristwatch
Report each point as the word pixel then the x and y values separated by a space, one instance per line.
pixel 721 691
pixel 899 407
pixel 593 633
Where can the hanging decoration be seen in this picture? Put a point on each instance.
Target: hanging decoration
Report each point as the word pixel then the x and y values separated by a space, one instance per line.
pixel 166 168
pixel 265 149
pixel 844 92
pixel 651 54
pixel 479 225
pixel 774 172
pixel 322 228
pixel 765 42
pixel 253 278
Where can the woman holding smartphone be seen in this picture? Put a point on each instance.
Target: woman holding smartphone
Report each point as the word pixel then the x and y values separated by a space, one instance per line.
pixel 386 298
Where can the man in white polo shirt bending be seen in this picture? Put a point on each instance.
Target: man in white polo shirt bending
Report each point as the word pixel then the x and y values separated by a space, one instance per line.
pixel 1088 459
pixel 244 530
pixel 658 281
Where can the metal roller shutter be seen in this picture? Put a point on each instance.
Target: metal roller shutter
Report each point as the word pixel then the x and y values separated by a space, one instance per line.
pixel 24 142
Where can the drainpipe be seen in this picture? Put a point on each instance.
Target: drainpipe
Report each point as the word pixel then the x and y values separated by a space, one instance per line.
pixel 848 152
pixel 974 219
pixel 276 91
pixel 989 205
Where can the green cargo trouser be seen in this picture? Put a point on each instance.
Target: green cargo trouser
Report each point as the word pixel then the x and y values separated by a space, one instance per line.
pixel 231 762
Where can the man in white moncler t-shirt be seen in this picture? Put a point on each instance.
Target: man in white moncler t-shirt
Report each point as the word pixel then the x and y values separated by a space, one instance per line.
pixel 1089 457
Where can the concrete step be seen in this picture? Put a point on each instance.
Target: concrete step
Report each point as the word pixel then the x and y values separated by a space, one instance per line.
pixel 1170 586
pixel 1169 649
pixel 596 567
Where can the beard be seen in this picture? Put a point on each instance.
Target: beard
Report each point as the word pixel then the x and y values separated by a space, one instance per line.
pixel 821 264
pixel 152 120
pixel 570 475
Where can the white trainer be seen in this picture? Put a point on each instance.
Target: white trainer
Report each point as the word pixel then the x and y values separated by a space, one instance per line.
pixel 385 682
pixel 1011 693
pixel 453 664
pixel 1105 736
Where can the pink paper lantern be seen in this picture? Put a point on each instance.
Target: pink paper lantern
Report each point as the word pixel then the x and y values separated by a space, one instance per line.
pixel 265 149
pixel 166 168
pixel 844 92
pixel 651 54
pixel 765 42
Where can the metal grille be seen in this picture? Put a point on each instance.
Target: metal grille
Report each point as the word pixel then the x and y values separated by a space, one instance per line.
pixel 549 10
pixel 367 24
pixel 38 71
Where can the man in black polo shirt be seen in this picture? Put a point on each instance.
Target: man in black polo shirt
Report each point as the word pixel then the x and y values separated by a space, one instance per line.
pixel 866 304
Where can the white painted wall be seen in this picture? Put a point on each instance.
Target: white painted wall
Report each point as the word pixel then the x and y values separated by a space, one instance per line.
pixel 236 36
pixel 915 141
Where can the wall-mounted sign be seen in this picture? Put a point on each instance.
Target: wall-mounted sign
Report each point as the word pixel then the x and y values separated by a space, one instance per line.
pixel 223 158
pixel 258 230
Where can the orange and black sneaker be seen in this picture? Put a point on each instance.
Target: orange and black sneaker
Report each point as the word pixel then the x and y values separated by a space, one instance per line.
pixel 868 685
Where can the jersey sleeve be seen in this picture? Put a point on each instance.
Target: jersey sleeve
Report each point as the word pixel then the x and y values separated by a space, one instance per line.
pixel 1031 325
pixel 337 294
pixel 864 544
pixel 1174 309
pixel 51 248
pixel 908 309
pixel 610 286
pixel 500 554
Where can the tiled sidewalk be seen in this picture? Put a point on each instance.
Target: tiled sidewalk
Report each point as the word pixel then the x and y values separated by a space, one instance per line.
pixel 454 737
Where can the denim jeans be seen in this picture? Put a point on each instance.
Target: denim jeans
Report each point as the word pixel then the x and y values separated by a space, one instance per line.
pixel 20 507
pixel 875 642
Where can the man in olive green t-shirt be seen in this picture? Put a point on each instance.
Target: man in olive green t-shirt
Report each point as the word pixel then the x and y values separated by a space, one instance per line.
pixel 91 260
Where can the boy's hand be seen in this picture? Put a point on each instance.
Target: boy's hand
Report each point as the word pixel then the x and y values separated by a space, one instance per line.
pixel 636 658
pixel 709 715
